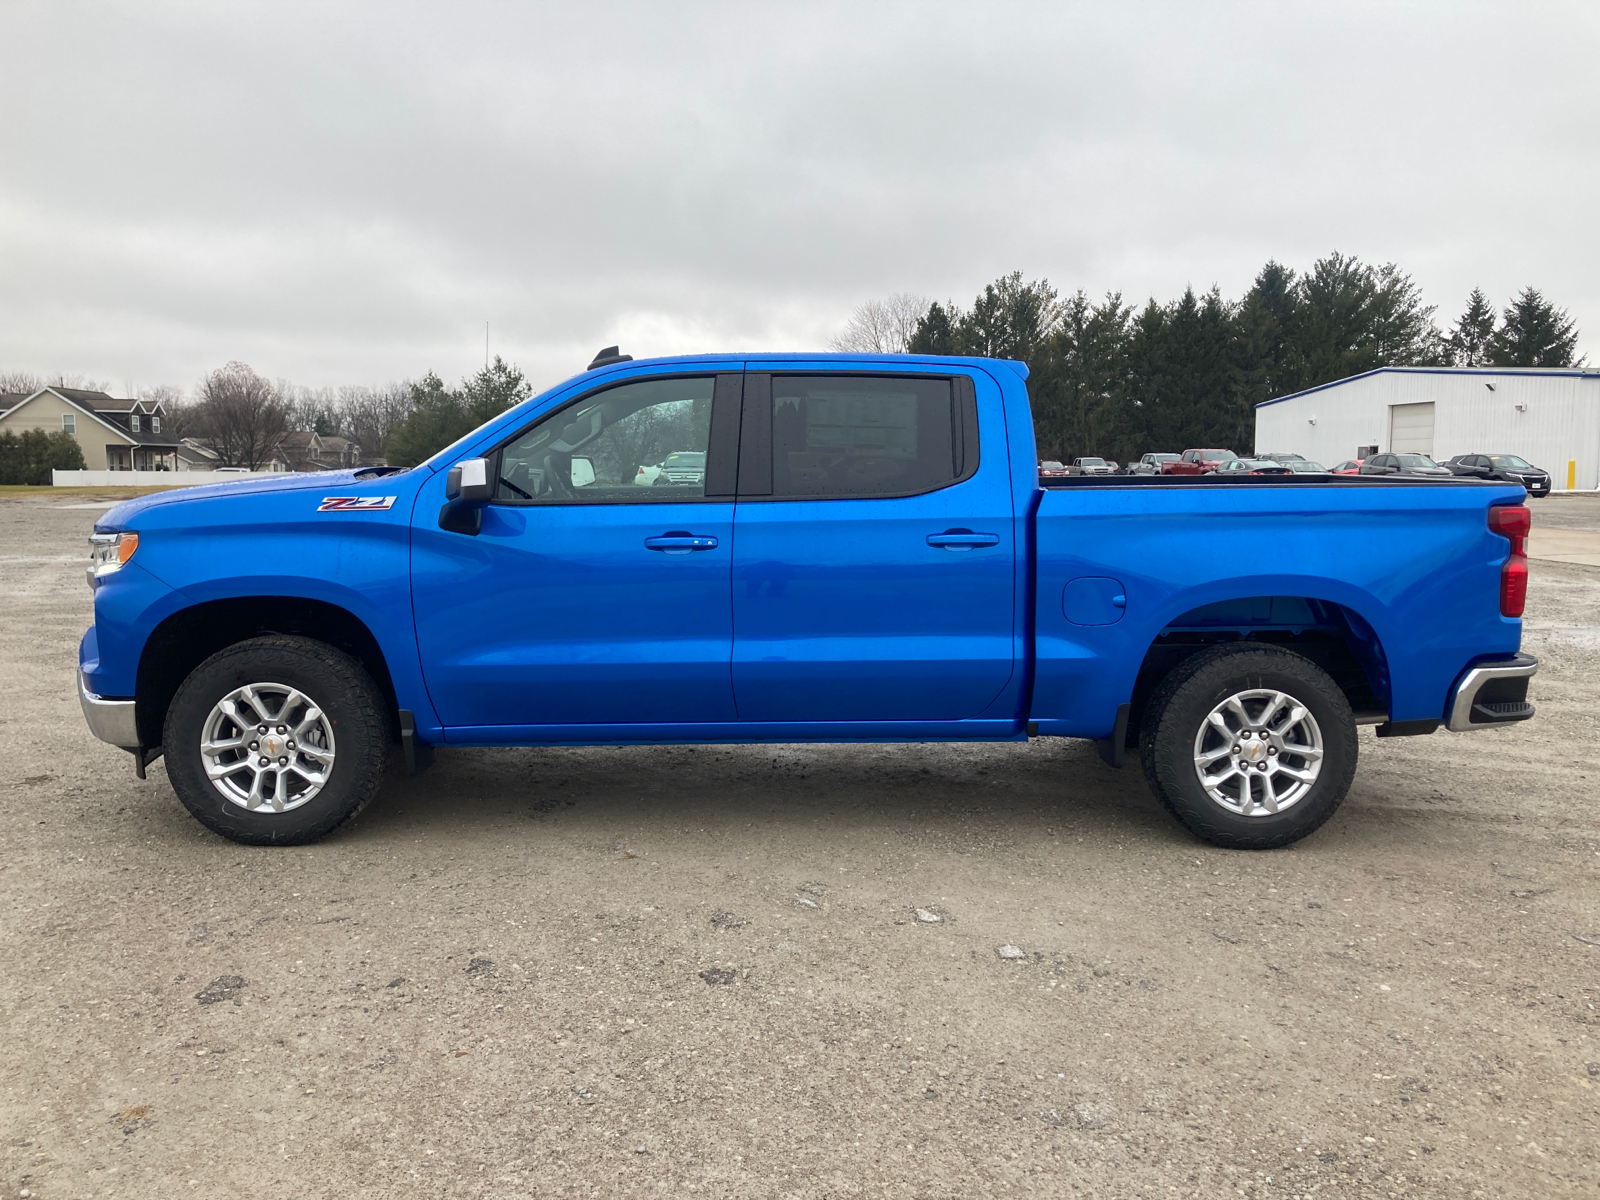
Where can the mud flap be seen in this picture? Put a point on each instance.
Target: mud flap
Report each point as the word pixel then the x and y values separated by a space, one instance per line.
pixel 1114 749
pixel 419 754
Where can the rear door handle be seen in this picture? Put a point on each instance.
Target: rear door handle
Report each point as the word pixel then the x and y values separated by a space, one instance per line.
pixel 962 539
pixel 680 543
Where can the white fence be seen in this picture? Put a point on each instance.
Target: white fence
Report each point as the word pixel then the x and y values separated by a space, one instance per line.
pixel 175 479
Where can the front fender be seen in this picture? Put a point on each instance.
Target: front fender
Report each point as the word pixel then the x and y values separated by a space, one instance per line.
pixel 270 544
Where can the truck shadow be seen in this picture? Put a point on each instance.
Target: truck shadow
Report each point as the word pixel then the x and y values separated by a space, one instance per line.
pixel 978 793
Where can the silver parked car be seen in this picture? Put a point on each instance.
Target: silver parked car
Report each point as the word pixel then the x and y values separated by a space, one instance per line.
pixel 1404 464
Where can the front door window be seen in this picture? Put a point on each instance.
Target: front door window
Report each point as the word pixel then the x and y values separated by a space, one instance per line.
pixel 640 443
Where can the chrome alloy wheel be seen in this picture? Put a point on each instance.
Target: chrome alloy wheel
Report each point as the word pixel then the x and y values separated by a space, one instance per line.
pixel 1258 752
pixel 267 747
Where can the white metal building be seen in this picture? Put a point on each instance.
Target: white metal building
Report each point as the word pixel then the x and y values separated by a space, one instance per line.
pixel 1550 416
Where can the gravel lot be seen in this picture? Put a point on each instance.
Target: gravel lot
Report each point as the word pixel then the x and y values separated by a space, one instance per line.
pixel 700 971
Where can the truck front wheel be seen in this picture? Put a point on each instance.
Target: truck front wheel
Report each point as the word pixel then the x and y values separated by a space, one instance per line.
pixel 1251 747
pixel 276 741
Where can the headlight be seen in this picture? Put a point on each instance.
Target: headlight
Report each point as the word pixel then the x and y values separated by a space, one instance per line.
pixel 108 552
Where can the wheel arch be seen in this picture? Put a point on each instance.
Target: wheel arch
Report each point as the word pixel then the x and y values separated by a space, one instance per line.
pixel 185 639
pixel 1336 636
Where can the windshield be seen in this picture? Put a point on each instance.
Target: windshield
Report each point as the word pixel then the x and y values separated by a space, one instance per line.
pixel 1215 455
pixel 686 458
pixel 1510 460
pixel 1092 462
pixel 1415 460
pixel 1305 466
pixel 1161 458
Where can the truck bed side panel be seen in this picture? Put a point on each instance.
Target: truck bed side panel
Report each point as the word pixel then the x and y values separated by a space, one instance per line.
pixel 1418 563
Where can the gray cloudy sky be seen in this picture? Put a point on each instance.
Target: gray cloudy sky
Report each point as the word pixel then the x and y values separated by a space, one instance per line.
pixel 344 193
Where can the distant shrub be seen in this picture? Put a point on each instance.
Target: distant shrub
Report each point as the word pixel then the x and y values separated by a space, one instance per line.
pixel 30 457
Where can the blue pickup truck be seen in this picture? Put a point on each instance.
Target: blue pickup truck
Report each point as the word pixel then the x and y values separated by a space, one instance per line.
pixel 860 550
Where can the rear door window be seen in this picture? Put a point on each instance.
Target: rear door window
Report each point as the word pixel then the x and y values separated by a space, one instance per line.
pixel 842 436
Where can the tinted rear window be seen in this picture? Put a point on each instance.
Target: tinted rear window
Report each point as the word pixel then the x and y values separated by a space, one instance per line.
pixel 855 436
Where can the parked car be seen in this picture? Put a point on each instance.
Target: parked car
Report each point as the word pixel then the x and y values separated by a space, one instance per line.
pixel 1149 464
pixel 1304 466
pixel 1403 464
pixel 648 475
pixel 1252 466
pixel 1350 466
pixel 1283 458
pixel 1197 462
pixel 867 558
pixel 1050 469
pixel 1506 468
pixel 1094 466
pixel 683 467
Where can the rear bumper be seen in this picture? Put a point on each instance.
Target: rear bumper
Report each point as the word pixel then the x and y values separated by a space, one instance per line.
pixel 109 720
pixel 1493 693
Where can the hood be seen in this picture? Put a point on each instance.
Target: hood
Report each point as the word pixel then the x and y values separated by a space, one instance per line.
pixel 123 514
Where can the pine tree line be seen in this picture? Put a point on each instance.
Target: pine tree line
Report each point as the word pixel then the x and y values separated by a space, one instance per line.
pixel 1108 379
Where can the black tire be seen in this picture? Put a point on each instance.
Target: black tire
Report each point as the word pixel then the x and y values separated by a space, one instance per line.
pixel 1183 703
pixel 340 687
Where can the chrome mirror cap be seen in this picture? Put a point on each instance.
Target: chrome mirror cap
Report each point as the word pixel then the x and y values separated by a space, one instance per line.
pixel 468 481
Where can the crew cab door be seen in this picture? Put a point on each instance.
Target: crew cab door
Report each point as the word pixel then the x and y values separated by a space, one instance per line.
pixel 874 555
pixel 587 599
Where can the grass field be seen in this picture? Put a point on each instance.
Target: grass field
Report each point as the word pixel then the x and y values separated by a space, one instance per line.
pixel 116 493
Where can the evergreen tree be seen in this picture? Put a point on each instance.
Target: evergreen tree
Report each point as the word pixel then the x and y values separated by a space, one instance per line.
pixel 437 418
pixel 1078 380
pixel 1534 333
pixel 441 415
pixel 935 332
pixel 1403 331
pixel 1106 380
pixel 493 390
pixel 1011 319
pixel 30 457
pixel 1469 342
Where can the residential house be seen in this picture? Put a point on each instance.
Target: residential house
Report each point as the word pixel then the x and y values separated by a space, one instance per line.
pixel 308 450
pixel 115 435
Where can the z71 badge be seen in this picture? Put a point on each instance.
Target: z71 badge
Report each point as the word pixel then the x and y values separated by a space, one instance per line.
pixel 365 503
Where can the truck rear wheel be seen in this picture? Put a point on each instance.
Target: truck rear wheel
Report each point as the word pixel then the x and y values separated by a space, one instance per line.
pixel 276 741
pixel 1251 747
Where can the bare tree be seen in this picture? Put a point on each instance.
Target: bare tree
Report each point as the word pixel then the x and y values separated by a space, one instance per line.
pixel 882 326
pixel 370 414
pixel 179 412
pixel 20 383
pixel 79 380
pixel 240 415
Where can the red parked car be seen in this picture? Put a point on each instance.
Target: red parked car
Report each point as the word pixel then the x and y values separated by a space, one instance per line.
pixel 1350 466
pixel 1198 462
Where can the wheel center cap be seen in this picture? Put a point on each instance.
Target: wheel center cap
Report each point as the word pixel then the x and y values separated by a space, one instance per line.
pixel 271 744
pixel 1255 751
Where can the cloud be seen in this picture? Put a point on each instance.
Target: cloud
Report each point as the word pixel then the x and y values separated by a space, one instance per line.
pixel 344 193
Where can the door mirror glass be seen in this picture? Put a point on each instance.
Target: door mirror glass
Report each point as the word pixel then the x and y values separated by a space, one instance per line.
pixel 582 471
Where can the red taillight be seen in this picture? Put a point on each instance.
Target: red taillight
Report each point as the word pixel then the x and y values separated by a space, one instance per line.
pixel 1513 521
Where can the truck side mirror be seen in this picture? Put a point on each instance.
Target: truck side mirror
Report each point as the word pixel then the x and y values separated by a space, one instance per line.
pixel 468 482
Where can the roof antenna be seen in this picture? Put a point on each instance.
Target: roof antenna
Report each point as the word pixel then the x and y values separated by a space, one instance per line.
pixel 608 356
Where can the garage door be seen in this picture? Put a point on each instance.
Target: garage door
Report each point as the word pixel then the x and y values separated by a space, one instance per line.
pixel 1411 429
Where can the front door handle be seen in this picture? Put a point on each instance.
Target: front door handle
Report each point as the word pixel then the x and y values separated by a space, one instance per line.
pixel 678 542
pixel 960 540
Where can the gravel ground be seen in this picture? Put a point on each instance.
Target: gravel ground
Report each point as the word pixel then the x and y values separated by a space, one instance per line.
pixel 704 971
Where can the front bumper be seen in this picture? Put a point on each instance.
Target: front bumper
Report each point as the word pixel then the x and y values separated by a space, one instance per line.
pixel 109 720
pixel 1493 693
